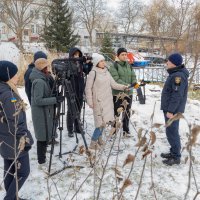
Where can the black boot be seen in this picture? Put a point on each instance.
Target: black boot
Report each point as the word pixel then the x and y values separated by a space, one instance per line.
pixel 70 134
pixel 172 161
pixel 166 155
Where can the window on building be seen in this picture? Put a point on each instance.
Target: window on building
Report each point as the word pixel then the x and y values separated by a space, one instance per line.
pixel 32 29
pixel 37 16
pixel 38 29
pixel 26 32
pixel 31 13
pixel 3 30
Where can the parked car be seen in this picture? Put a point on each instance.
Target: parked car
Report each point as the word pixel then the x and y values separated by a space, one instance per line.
pixel 156 59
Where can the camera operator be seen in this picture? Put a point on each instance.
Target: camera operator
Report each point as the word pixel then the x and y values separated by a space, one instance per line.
pixel 42 107
pixel 77 80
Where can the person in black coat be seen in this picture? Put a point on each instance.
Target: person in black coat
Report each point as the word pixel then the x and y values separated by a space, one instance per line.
pixel 173 101
pixel 77 80
pixel 15 138
pixel 28 84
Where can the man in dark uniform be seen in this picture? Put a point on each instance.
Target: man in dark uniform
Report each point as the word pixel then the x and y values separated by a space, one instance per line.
pixel 173 100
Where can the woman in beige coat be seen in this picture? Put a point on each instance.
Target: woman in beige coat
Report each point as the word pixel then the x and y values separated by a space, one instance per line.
pixel 99 97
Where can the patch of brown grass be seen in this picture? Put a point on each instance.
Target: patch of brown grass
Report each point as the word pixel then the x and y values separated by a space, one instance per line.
pixel 25 60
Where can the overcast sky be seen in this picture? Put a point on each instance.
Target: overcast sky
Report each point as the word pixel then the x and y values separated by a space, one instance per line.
pixel 113 3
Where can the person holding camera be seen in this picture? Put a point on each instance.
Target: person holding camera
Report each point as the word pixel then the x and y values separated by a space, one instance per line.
pixel 79 69
pixel 15 138
pixel 42 107
pixel 123 73
pixel 99 97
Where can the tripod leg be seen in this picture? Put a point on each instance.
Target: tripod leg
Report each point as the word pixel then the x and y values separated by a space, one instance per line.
pixel 52 146
pixel 74 109
pixel 83 113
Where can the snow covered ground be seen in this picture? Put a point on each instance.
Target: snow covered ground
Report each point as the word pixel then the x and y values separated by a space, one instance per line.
pixel 170 183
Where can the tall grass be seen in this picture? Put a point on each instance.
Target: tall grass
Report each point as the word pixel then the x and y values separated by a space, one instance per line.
pixel 25 60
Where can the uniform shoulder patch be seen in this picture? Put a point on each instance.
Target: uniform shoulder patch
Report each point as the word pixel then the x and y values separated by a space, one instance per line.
pixel 177 80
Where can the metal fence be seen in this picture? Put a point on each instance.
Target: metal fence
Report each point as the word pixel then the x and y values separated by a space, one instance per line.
pixel 159 74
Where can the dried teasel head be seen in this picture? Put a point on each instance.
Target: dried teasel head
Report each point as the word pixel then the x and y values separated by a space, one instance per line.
pixel 22 143
pixel 120 110
pixel 126 184
pixel 125 104
pixel 152 137
pixel 141 142
pixel 146 153
pixel 112 131
pixel 130 158
pixel 176 117
pixel 81 150
pixel 156 125
pixel 140 133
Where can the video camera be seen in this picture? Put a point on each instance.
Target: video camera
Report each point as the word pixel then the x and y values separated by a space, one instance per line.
pixel 64 65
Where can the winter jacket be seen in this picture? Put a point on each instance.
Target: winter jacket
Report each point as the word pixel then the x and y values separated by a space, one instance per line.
pixel 79 68
pixel 42 105
pixel 27 81
pixel 99 95
pixel 123 73
pixel 11 125
pixel 174 93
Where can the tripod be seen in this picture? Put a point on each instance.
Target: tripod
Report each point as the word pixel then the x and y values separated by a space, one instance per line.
pixel 64 88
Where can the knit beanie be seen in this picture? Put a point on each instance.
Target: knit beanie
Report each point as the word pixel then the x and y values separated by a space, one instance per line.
pixel 7 70
pixel 96 58
pixel 41 63
pixel 121 50
pixel 39 54
pixel 176 59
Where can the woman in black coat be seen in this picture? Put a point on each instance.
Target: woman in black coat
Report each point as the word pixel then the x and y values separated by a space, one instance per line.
pixel 15 137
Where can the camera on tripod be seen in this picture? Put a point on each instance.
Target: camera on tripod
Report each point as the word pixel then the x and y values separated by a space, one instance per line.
pixel 66 65
pixel 65 71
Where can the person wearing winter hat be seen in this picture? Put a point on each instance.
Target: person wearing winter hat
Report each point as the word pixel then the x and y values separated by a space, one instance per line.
pixel 80 69
pixel 28 84
pixel 42 108
pixel 99 97
pixel 13 129
pixel 122 73
pixel 173 101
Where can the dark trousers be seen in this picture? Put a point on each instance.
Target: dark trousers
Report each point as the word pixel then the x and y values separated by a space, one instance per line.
pixel 22 175
pixel 41 151
pixel 127 113
pixel 73 124
pixel 173 138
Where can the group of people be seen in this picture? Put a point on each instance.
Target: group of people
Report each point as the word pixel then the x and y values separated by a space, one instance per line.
pixel 101 90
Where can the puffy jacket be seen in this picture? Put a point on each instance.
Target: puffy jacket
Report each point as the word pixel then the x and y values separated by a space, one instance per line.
pixel 99 95
pixel 122 73
pixel 12 126
pixel 174 93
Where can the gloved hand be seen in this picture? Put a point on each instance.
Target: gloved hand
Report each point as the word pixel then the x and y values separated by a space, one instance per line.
pixel 135 85
pixel 60 99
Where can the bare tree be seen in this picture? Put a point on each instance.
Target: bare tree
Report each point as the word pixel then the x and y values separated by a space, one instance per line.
pixel 16 14
pixel 129 15
pixel 106 23
pixel 88 13
pixel 193 42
